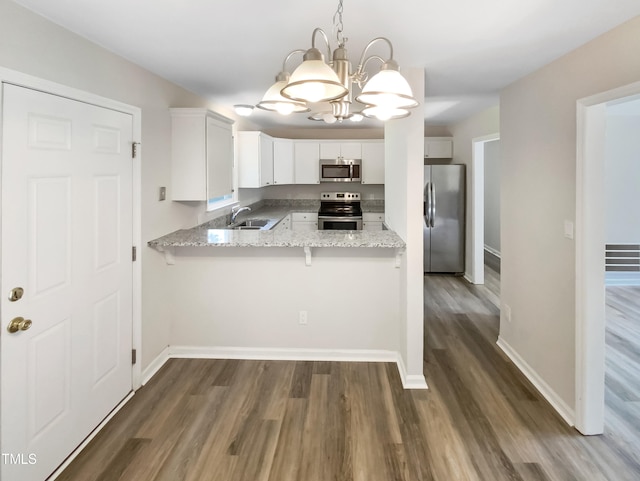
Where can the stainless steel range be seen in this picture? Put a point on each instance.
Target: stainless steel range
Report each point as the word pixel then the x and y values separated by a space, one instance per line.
pixel 340 211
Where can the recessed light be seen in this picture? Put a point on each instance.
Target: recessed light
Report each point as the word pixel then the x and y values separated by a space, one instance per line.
pixel 243 110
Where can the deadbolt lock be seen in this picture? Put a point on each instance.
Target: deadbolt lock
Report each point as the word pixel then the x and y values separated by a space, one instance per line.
pixel 19 324
pixel 16 294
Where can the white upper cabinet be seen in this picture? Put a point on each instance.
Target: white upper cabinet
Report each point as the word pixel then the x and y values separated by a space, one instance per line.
pixel 373 162
pixel 346 150
pixel 201 155
pixel 438 147
pixel 307 162
pixel 283 166
pixel 255 159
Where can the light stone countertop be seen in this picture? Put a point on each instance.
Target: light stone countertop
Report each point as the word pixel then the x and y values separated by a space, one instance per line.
pixel 211 235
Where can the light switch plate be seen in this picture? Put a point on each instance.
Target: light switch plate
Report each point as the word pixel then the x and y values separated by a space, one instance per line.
pixel 568 229
pixel 163 193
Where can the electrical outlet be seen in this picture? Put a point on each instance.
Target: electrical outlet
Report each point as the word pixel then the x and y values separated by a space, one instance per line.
pixel 507 312
pixel 302 317
pixel 163 193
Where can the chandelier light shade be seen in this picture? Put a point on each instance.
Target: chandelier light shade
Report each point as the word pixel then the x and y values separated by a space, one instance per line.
pixel 275 102
pixel 384 113
pixel 314 81
pixel 388 89
pixel 387 95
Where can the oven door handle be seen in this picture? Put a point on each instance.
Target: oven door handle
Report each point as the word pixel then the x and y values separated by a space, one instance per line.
pixel 330 217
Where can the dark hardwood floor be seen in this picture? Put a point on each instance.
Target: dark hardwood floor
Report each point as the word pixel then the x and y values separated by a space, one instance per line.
pixel 480 420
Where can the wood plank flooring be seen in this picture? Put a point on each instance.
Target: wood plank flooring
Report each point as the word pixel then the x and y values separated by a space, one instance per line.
pixel 201 420
pixel 622 378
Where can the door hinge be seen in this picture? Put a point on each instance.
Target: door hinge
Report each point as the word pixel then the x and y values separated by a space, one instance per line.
pixel 134 253
pixel 134 356
pixel 134 149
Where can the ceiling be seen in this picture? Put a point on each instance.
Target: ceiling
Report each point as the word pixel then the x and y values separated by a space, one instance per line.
pixel 230 52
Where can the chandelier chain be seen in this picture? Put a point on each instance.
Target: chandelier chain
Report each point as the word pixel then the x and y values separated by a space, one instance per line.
pixel 338 25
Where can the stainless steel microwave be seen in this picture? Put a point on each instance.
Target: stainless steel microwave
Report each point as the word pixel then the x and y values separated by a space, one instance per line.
pixel 340 170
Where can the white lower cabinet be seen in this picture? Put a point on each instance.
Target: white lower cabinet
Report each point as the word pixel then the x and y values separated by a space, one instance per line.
pixel 372 221
pixel 284 224
pixel 304 221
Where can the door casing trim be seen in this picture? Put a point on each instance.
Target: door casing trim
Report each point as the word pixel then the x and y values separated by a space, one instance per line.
pixel 589 262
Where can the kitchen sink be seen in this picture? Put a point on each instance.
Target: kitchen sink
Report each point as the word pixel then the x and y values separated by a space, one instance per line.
pixel 250 224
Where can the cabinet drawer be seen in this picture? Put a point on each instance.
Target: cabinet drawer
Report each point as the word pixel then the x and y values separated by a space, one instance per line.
pixel 304 217
pixel 372 217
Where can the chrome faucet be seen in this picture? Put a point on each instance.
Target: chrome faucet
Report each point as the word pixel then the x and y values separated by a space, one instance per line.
pixel 235 211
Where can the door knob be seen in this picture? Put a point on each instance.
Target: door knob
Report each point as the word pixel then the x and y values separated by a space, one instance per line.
pixel 19 324
pixel 16 294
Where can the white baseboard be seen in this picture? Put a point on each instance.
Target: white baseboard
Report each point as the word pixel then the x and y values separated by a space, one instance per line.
pixel 409 381
pixel 155 365
pixel 282 354
pixel 493 251
pixel 549 394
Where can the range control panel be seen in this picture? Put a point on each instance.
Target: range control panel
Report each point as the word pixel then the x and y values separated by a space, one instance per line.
pixel 340 196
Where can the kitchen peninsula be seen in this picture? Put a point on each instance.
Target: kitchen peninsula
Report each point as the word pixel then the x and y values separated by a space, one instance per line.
pixel 216 233
pixel 282 294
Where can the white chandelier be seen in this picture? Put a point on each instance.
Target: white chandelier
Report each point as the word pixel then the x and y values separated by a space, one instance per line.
pixel 387 95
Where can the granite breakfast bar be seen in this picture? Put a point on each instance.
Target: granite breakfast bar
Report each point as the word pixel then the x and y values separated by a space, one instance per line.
pixel 337 295
pixel 211 234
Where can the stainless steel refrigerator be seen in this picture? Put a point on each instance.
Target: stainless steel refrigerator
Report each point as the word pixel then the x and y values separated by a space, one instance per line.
pixel 443 218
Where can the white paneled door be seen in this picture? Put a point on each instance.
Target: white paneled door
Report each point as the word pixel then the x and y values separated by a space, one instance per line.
pixel 66 243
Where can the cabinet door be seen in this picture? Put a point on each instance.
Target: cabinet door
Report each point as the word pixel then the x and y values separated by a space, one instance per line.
pixel 219 159
pixel 346 150
pixel 201 155
pixel 188 156
pixel 304 226
pixel 283 161
pixel 371 225
pixel 351 150
pixel 284 224
pixel 255 159
pixel 307 162
pixel 373 163
pixel 438 148
pixel 329 150
pixel 372 220
pixel 248 159
pixel 266 160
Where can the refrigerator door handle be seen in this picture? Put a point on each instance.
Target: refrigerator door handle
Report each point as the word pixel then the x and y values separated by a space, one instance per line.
pixel 426 206
pixel 433 204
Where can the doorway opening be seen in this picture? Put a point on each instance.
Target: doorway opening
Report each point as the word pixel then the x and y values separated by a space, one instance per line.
pixel 475 270
pixel 591 237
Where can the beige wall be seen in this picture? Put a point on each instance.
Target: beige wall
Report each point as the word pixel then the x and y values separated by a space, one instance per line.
pixel 33 45
pixel 538 137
